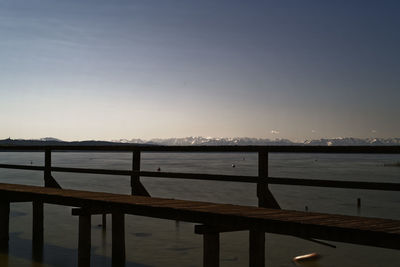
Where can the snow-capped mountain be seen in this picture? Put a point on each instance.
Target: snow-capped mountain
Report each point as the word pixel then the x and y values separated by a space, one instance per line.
pixel 199 140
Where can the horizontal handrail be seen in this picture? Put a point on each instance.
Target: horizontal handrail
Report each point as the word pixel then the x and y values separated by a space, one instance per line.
pixel 222 177
pixel 177 175
pixel 335 184
pixel 200 176
pixel 249 149
pixel 22 167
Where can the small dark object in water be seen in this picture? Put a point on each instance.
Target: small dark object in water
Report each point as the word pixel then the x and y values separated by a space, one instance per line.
pixel 99 225
pixel 306 208
pixel 158 169
pixel 233 165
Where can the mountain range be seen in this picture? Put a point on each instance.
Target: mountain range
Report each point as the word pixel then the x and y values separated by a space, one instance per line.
pixel 211 141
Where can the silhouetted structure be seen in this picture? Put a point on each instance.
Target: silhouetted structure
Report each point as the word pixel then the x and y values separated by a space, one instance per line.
pixel 215 217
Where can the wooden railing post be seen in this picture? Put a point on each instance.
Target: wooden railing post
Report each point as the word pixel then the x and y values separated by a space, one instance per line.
pixel 49 181
pixel 4 224
pixel 118 239
pixel 84 243
pixel 137 187
pixel 265 197
pixel 47 167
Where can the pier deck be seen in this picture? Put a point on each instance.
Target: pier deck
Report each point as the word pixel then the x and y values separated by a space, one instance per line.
pixel 351 229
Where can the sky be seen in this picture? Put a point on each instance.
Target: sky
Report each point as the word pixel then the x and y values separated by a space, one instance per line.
pixel 105 70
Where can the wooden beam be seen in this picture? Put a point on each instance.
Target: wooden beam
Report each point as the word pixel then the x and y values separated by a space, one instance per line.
pixel 204 229
pixel 4 224
pixel 37 230
pixel 221 177
pixel 265 197
pixel 49 181
pixel 137 188
pixel 91 211
pixel 118 239
pixel 341 228
pixel 256 248
pixel 211 250
pixel 155 148
pixel 84 243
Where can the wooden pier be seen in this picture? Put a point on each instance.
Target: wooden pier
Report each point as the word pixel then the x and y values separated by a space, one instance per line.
pixel 213 218
pixel 351 229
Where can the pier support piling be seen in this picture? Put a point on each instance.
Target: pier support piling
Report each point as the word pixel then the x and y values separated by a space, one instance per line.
pixel 118 239
pixel 84 243
pixel 256 249
pixel 4 224
pixel 37 230
pixel 211 249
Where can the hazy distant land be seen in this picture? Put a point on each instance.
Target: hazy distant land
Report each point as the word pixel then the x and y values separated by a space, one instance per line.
pixel 209 141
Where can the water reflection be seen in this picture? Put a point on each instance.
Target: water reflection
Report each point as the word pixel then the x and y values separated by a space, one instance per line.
pixel 19 254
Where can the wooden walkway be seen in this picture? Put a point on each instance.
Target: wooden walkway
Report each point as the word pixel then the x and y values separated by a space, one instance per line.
pixel 351 229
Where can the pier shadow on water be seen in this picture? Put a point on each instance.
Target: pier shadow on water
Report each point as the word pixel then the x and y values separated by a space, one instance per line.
pixel 20 254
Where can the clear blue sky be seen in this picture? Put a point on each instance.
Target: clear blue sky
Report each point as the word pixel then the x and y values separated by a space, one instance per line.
pixel 143 69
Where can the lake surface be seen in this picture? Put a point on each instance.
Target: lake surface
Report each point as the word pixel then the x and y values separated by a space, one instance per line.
pixel 155 242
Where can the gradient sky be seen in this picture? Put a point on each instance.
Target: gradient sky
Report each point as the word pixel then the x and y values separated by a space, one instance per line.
pixel 100 69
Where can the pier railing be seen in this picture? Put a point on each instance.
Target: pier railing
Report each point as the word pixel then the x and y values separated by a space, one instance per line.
pixel 265 198
pixel 210 232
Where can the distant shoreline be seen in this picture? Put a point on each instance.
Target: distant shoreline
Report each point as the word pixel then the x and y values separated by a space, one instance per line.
pixel 207 141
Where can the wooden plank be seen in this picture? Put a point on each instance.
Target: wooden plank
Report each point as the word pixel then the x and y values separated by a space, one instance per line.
pixel 118 239
pixel 84 240
pixel 334 227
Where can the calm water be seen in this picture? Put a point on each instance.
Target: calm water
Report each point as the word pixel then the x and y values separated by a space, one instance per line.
pixel 155 242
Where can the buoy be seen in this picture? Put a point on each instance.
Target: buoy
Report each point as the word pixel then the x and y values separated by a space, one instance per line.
pixel 311 256
pixel 158 169
pixel 233 165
